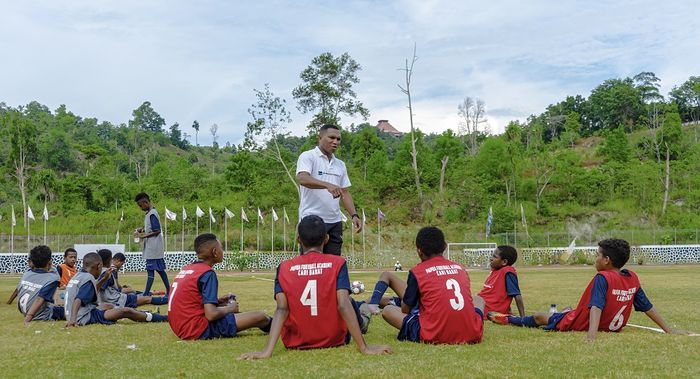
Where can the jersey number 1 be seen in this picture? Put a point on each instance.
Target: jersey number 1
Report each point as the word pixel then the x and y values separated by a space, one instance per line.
pixel 308 297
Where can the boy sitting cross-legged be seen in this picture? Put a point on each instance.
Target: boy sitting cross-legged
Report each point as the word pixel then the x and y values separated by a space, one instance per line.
pixel 437 305
pixel 195 311
pixel 81 299
pixel 37 287
pixel 501 286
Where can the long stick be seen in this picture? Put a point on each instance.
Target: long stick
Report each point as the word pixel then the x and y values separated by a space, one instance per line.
pixel 241 230
pixel 165 233
pixel 257 236
pixel 225 233
pixel 273 232
pixel 182 242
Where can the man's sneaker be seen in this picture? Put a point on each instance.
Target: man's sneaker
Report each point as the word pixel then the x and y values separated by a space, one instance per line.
pixel 364 325
pixel 498 318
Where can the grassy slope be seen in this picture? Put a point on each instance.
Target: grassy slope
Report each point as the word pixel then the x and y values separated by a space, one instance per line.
pixel 46 349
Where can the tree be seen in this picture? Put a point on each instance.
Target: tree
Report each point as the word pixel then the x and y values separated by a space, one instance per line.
pixel 327 90
pixel 408 72
pixel 270 119
pixel 613 103
pixel 472 112
pixel 572 128
pixel 146 118
pixel 687 96
pixel 364 145
pixel 447 146
pixel 213 129
pixel 195 126
pixel 615 147
pixel 648 85
pixel 22 135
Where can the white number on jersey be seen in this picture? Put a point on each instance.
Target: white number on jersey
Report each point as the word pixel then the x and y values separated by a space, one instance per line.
pixel 458 303
pixel 172 295
pixel 308 297
pixel 23 302
pixel 618 320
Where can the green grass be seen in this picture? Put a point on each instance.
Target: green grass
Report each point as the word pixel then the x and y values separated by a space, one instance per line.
pixel 46 349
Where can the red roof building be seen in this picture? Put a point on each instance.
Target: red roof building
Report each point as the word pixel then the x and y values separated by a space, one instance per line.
pixel 386 127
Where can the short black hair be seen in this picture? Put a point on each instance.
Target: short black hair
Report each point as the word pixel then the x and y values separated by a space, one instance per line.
pixel 119 257
pixel 312 231
pixel 140 196
pixel 69 250
pixel 106 256
pixel 508 253
pixel 91 259
pixel 431 241
pixel 40 256
pixel 203 240
pixel 618 250
pixel 325 127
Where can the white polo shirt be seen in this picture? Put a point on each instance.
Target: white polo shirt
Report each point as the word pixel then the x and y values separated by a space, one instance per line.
pixel 320 202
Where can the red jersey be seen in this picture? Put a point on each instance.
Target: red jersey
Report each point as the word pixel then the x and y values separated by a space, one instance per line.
pixel 446 310
pixel 494 292
pixel 618 304
pixel 186 305
pixel 309 283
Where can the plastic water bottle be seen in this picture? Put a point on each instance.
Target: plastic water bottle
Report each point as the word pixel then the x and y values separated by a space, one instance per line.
pixel 553 309
pixel 137 239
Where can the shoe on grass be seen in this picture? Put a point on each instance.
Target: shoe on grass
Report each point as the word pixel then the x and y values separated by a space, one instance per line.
pixel 498 318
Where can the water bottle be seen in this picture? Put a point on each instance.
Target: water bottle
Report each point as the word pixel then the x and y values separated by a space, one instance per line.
pixel 137 239
pixel 553 309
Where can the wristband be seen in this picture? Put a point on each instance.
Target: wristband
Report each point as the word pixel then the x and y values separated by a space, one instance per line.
pixel 354 215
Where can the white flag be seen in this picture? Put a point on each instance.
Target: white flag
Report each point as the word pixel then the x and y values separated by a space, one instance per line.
pixel 229 214
pixel 30 214
pixel 284 215
pixel 343 217
pixel 14 219
pixel 274 215
pixel 45 214
pixel 260 216
pixel 172 216
pixel 211 216
pixel 184 214
pixel 244 217
pixel 569 250
pixel 199 212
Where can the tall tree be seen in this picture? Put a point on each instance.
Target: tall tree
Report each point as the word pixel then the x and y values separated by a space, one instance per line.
pixel 22 137
pixel 472 112
pixel 615 102
pixel 408 76
pixel 364 145
pixel 327 89
pixel 214 129
pixel 146 118
pixel 195 126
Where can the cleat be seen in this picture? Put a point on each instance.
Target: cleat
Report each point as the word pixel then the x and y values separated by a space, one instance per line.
pixel 498 318
pixel 373 309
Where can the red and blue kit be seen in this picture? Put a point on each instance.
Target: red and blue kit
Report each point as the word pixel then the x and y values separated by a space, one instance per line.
pixel 186 303
pixel 310 283
pixel 499 288
pixel 447 314
pixel 621 289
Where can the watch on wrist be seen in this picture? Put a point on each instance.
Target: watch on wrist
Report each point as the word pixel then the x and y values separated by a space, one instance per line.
pixel 354 215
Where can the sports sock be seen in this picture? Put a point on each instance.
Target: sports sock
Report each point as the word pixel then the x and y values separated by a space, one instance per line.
pixel 149 316
pixel 159 300
pixel 527 321
pixel 378 292
pixel 164 278
pixel 159 318
pixel 149 282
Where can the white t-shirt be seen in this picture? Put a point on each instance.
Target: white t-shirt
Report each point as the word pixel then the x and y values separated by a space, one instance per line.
pixel 320 202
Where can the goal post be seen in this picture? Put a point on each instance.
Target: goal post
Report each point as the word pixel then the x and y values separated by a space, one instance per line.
pixel 470 253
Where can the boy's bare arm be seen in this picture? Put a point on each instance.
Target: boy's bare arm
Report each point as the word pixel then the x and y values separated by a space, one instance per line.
pixel 13 296
pixel 520 304
pixel 213 312
pixel 74 313
pixel 33 309
pixel 593 322
pixel 348 313
pixel 655 316
pixel 281 314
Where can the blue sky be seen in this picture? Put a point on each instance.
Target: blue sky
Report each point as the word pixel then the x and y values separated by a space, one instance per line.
pixel 201 60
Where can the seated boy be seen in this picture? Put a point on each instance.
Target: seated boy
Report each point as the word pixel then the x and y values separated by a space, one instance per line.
pixel 37 287
pixel 81 299
pixel 67 269
pixel 606 303
pixel 437 306
pixel 314 309
pixel 109 292
pixel 378 300
pixel 14 293
pixel 195 311
pixel 501 286
pixel 118 261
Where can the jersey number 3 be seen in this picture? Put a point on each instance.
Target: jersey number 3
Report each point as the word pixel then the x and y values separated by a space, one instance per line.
pixel 308 297
pixel 458 303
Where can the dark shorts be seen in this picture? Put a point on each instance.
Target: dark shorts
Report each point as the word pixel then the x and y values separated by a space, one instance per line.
pixel 97 316
pixel 221 328
pixel 131 300
pixel 58 313
pixel 155 264
pixel 335 238
pixel 410 327
pixel 554 320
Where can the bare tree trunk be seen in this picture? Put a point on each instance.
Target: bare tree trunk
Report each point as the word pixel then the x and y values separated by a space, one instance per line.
pixel 544 180
pixel 278 156
pixel 666 181
pixel 442 172
pixel 508 191
pixel 407 91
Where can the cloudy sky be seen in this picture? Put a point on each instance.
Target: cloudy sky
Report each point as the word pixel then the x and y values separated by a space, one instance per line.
pixel 200 60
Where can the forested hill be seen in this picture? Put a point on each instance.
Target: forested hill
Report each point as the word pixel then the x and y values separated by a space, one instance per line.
pixel 625 157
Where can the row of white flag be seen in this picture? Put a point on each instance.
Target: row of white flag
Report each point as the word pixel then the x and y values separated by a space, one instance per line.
pixel 30 215
pixel 172 216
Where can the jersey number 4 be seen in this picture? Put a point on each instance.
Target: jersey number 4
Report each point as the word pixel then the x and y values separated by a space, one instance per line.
pixel 308 297
pixel 458 303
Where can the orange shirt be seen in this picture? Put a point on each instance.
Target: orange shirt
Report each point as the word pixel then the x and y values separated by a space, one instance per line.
pixel 67 272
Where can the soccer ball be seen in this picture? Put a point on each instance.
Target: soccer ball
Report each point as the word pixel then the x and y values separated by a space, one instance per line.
pixel 357 287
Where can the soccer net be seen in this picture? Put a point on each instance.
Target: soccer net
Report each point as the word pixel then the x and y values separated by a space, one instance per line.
pixel 470 254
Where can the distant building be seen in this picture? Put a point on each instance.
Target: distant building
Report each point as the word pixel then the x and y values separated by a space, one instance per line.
pixel 386 127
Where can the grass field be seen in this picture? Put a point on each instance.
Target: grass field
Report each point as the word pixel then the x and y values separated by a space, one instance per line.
pixel 46 349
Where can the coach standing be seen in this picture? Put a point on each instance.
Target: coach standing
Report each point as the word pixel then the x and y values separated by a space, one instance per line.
pixel 324 182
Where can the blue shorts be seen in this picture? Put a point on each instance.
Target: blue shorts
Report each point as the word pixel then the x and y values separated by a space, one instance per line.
pixel 131 300
pixel 58 313
pixel 221 328
pixel 554 320
pixel 410 327
pixel 155 264
pixel 97 316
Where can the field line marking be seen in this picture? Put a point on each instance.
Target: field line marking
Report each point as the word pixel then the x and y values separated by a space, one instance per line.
pixel 265 279
pixel 647 328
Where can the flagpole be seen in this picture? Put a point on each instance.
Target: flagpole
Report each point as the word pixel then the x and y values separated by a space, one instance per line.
pixel 257 236
pixel 272 216
pixel 241 229
pixel 165 231
pixel 182 237
pixel 196 224
pixel 352 245
pixel 209 220
pixel 364 250
pixel 44 231
pixel 225 233
pixel 284 229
